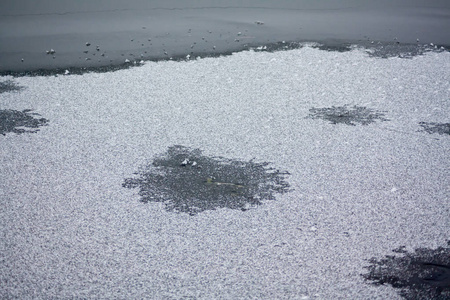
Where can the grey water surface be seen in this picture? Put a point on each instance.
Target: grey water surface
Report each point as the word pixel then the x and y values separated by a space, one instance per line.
pixel 82 34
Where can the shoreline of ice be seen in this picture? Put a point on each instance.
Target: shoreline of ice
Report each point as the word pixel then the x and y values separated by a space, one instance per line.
pixel 375 49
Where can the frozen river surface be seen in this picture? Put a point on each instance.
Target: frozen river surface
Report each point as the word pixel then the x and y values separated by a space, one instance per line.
pixel 361 144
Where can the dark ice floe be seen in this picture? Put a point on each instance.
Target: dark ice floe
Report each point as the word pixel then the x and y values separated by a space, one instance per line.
pixel 188 181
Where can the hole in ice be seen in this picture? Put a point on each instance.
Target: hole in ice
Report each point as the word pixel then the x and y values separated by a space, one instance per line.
pixel 9 86
pixel 188 181
pixel 441 128
pixel 422 274
pixel 20 121
pixel 347 115
pixel 333 48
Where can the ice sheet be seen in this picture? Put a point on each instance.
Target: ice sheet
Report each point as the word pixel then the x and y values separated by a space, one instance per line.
pixel 70 230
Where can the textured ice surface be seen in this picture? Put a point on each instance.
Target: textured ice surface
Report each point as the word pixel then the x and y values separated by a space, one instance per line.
pixel 69 229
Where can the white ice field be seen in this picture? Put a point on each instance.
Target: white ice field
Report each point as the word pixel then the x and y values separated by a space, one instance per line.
pixel 69 230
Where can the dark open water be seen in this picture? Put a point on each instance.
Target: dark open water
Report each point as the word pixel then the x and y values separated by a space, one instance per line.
pixel 54 34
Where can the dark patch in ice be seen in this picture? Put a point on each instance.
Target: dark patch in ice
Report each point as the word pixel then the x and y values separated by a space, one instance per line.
pixel 15 121
pixel 187 181
pixel 381 49
pixel 422 274
pixel 9 86
pixel 334 48
pixel 441 128
pixel 387 50
pixel 347 115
